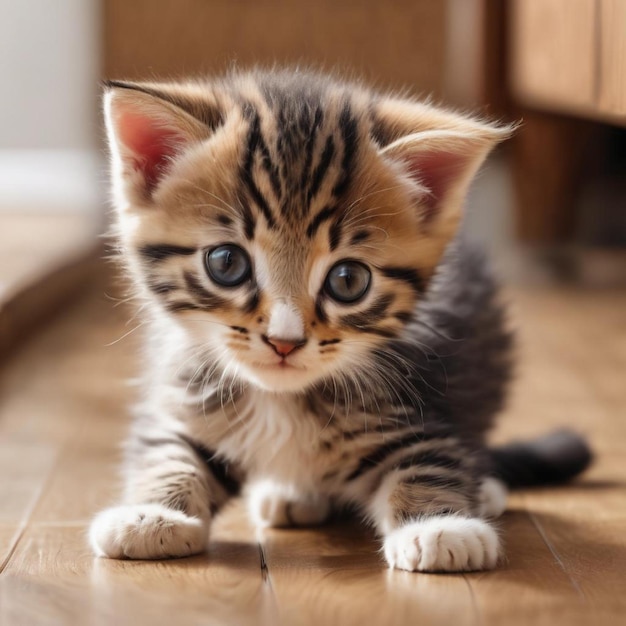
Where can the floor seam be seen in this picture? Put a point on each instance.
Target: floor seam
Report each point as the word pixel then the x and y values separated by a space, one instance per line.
pixel 265 574
pixel 270 607
pixel 37 498
pixel 555 554
pixel 17 537
pixel 476 609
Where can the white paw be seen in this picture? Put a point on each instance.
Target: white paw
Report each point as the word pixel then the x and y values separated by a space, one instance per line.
pixel 492 497
pixel 270 505
pixel 146 531
pixel 443 544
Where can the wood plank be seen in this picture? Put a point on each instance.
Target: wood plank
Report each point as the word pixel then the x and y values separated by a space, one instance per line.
pixel 51 396
pixel 589 547
pixel 307 568
pixel 561 381
pixel 531 587
pixel 580 539
pixel 24 469
pixel 53 578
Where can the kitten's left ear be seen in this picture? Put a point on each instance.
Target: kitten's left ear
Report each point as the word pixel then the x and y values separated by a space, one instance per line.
pixel 437 154
pixel 441 164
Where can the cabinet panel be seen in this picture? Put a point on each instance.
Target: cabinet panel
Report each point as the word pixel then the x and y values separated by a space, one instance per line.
pixel 613 57
pixel 553 53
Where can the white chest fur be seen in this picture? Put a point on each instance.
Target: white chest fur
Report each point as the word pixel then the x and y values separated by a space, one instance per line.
pixel 277 437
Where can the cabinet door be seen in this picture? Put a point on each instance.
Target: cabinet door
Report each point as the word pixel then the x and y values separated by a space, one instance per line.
pixel 553 53
pixel 613 57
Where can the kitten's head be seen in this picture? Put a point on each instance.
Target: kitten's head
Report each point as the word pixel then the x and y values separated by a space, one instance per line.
pixel 287 222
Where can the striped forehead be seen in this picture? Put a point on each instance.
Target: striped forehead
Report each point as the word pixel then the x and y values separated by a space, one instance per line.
pixel 297 165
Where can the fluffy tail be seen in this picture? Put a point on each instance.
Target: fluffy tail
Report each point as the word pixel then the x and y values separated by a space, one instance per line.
pixel 549 460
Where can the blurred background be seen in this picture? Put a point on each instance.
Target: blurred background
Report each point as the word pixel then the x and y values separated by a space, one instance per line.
pixel 550 204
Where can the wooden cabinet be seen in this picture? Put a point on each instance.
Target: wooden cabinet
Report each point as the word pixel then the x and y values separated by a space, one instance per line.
pixel 567 65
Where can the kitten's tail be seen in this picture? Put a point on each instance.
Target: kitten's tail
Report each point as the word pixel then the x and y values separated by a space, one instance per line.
pixel 549 460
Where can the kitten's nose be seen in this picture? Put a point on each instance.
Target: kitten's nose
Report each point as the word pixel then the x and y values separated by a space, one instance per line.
pixel 284 347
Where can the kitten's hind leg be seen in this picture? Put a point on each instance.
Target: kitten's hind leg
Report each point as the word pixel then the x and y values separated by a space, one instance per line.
pixel 171 495
pixel 274 505
pixel 492 497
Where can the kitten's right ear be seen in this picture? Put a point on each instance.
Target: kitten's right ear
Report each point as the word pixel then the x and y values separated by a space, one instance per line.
pixel 146 133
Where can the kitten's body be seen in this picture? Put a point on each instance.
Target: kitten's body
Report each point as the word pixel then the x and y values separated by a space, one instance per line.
pixel 283 381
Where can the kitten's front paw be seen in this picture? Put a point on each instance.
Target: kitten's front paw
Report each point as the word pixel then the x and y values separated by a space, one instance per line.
pixel 147 531
pixel 443 544
pixel 270 506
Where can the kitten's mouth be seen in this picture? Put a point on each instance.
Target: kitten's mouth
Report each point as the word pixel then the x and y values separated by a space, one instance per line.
pixel 278 376
pixel 282 365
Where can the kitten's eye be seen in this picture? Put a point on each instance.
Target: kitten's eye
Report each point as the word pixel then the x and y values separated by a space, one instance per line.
pixel 348 281
pixel 228 265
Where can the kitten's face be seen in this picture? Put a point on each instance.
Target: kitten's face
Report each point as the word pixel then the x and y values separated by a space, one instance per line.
pixel 286 241
pixel 289 304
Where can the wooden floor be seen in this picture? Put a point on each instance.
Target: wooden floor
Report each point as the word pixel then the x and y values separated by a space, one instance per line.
pixel 62 415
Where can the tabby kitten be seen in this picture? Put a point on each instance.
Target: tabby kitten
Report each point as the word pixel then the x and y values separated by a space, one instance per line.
pixel 318 333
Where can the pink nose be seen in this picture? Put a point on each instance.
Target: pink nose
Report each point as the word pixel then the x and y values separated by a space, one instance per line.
pixel 284 347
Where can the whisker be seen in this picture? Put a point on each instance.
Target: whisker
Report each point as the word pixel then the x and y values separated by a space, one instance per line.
pixel 130 332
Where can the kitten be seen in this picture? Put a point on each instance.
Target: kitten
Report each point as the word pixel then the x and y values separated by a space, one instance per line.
pixel 320 336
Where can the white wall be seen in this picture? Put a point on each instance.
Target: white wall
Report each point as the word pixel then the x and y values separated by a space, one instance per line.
pixel 49 73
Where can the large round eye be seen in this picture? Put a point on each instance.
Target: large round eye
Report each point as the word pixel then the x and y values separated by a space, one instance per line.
pixel 348 281
pixel 228 265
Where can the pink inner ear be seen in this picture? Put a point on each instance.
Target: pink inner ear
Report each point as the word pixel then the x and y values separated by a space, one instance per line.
pixel 437 171
pixel 150 143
